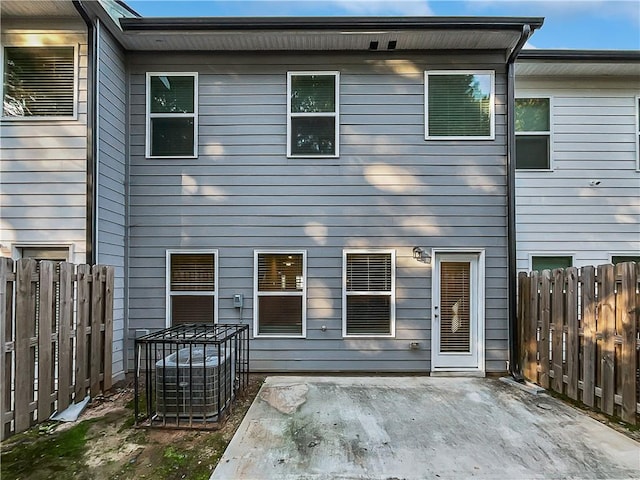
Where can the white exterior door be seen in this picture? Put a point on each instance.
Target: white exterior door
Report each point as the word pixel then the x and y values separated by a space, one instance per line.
pixel 458 312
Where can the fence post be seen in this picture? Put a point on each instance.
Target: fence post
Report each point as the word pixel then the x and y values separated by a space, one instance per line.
pixel 108 328
pixel 571 301
pixel 523 297
pixel 606 325
pixel 533 315
pixel 97 312
pixel 588 335
pixel 24 354
pixel 557 305
pixel 45 352
pixel 83 310
pixel 545 312
pixel 6 335
pixel 629 312
pixel 64 335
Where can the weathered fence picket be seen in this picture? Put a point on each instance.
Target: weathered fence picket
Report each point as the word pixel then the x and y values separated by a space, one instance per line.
pixel 49 316
pixel 580 334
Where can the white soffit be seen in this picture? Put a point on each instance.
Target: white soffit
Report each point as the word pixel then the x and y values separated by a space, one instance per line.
pixel 37 8
pixel 253 40
pixel 584 68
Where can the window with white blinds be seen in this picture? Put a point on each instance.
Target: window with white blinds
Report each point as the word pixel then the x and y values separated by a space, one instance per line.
pixel 369 293
pixel 280 289
pixel 191 287
pixel 459 105
pixel 455 303
pixel 312 114
pixel 172 115
pixel 39 82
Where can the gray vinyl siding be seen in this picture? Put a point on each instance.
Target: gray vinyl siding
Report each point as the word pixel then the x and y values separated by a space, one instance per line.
pixel 111 174
pixel 389 189
pixel 594 137
pixel 43 166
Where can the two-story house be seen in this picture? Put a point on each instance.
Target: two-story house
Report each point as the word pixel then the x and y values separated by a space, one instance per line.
pixel 346 186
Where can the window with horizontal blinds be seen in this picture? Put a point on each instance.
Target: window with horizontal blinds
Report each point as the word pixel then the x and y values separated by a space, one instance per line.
pixel 312 114
pixel 369 282
pixel 39 82
pixel 172 114
pixel 192 272
pixel 280 294
pixel 455 305
pixel 533 136
pixel 459 104
pixel 192 287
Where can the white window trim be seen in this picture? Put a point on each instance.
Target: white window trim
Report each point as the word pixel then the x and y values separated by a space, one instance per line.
pixel 257 294
pixel 551 254
pixel 149 115
pixel 550 133
pixel 16 249
pixel 637 123
pixel 391 294
pixel 492 105
pixel 335 114
pixel 168 293
pixel 76 74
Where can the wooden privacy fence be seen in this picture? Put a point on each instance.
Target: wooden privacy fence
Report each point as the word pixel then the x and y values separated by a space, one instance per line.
pixel 56 331
pixel 579 331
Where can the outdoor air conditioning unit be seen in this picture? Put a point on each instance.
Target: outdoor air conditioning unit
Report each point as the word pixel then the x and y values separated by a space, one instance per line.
pixel 195 383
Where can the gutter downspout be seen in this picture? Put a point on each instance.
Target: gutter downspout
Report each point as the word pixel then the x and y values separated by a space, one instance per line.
pixel 91 133
pixel 515 369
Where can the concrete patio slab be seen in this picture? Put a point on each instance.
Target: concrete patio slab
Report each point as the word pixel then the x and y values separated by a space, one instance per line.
pixel 416 428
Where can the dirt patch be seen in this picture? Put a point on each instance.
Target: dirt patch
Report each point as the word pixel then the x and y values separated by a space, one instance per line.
pixel 103 444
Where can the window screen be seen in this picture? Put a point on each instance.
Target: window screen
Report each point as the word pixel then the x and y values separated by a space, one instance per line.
pixel 369 285
pixel 313 114
pixel 459 105
pixel 172 122
pixel 280 294
pixel 39 82
pixel 192 287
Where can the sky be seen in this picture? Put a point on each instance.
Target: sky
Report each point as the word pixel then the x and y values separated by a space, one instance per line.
pixel 570 24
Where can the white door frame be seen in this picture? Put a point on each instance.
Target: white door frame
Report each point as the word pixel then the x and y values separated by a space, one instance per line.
pixel 478 256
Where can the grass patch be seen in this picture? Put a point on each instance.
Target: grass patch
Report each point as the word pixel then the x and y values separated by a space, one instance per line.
pixel 37 455
pixel 184 463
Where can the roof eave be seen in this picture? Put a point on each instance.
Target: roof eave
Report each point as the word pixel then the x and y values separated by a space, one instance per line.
pixel 580 55
pixel 326 23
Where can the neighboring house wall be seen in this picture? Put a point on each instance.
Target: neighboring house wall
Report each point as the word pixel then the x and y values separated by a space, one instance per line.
pixel 43 161
pixel 594 135
pixel 389 189
pixel 111 178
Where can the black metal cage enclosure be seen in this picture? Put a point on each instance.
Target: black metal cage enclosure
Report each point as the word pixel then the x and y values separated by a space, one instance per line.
pixel 188 376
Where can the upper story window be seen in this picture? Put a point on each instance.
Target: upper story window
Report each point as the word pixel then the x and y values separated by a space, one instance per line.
pixel 192 293
pixel 39 82
pixel 459 105
pixel 172 115
pixel 312 114
pixel 280 294
pixel 533 133
pixel 368 294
